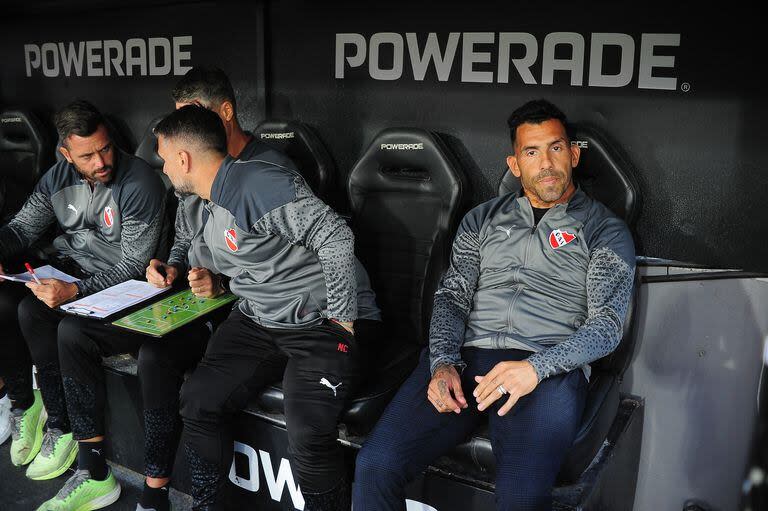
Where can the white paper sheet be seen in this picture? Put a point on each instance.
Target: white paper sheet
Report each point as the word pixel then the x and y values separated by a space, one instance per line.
pixel 43 272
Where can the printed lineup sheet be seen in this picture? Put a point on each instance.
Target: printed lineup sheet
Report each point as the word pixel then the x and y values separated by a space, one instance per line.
pixel 170 313
pixel 113 299
pixel 43 272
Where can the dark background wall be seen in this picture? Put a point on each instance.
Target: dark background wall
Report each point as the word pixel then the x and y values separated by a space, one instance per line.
pixel 698 155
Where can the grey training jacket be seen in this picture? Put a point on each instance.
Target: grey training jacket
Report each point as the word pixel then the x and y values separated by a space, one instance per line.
pixel 187 251
pixel 290 257
pixel 111 230
pixel 559 290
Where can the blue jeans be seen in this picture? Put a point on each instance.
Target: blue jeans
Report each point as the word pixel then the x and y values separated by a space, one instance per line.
pixel 529 443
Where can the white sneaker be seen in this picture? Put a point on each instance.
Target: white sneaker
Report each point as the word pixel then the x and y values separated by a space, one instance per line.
pixel 5 419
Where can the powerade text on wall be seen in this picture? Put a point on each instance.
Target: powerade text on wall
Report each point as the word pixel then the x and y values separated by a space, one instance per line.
pixel 154 56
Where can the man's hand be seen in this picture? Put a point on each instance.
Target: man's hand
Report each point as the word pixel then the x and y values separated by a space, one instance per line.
pixel 53 292
pixel 445 381
pixel 516 378
pixel 204 284
pixel 349 326
pixel 2 272
pixel 160 274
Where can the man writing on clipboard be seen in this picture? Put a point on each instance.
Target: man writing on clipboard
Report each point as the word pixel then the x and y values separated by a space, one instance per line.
pixel 109 206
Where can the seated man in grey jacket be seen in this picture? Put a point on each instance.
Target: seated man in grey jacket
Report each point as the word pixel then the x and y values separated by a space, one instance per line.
pixel 109 207
pixel 291 262
pixel 537 288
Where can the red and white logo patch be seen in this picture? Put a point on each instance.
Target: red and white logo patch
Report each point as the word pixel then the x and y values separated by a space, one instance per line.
pixel 109 217
pixel 559 238
pixel 230 236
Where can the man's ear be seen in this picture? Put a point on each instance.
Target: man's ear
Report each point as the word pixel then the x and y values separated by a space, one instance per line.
pixel 226 111
pixel 512 164
pixel 184 161
pixel 575 155
pixel 65 153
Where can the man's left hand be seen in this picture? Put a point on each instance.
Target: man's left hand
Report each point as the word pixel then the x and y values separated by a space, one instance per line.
pixel 53 292
pixel 516 378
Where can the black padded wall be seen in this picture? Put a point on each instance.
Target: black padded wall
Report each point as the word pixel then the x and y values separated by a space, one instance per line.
pixel 182 34
pixel 697 149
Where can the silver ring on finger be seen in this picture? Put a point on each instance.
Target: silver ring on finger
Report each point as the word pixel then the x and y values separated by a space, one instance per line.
pixel 501 390
pixel 441 404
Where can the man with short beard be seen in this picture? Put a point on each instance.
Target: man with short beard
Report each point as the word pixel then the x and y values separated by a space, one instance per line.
pixel 537 289
pixel 110 206
pixel 291 261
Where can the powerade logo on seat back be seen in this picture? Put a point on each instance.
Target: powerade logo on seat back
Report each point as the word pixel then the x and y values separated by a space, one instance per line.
pixel 230 236
pixel 6 120
pixel 402 147
pixel 155 56
pixel 277 136
pixel 508 57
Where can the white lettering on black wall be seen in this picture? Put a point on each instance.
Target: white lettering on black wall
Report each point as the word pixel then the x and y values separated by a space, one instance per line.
pixel 155 56
pixel 485 57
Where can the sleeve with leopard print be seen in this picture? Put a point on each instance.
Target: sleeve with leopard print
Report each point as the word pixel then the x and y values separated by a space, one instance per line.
pixel 453 299
pixel 309 222
pixel 610 280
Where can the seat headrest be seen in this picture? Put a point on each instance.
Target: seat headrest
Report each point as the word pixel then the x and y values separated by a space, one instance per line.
pixel 22 131
pixel 119 139
pixel 147 148
pixel 304 148
pixel 603 173
pixel 409 160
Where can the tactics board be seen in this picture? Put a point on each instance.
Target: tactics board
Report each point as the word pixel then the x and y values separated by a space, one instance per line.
pixel 170 313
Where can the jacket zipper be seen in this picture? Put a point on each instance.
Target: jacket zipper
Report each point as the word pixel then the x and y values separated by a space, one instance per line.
pixel 519 289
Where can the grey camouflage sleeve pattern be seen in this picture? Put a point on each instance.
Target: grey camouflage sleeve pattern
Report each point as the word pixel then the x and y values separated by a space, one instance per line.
pixel 182 240
pixel 609 287
pixel 309 222
pixel 138 242
pixel 453 301
pixel 27 226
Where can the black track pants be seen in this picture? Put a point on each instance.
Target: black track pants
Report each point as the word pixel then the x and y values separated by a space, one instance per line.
pixel 162 363
pixel 15 361
pixel 318 367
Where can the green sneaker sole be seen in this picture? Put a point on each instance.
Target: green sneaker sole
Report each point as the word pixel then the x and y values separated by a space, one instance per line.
pixel 38 438
pixel 100 502
pixel 56 473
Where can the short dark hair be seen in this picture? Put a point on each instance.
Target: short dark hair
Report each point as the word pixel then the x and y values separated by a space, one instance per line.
pixel 79 118
pixel 207 84
pixel 536 112
pixel 196 124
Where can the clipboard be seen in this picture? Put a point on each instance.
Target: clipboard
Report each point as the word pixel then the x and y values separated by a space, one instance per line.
pixel 172 312
pixel 112 300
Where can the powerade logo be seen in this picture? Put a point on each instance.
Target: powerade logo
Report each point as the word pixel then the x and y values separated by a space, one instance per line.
pixel 6 120
pixel 155 56
pixel 509 57
pixel 402 147
pixel 278 136
pixel 279 481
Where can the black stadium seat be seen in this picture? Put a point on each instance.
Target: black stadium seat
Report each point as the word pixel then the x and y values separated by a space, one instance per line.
pixel 25 154
pixel 147 150
pixel 606 176
pixel 407 195
pixel 300 143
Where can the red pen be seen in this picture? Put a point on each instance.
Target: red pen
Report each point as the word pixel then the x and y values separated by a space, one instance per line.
pixel 32 272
